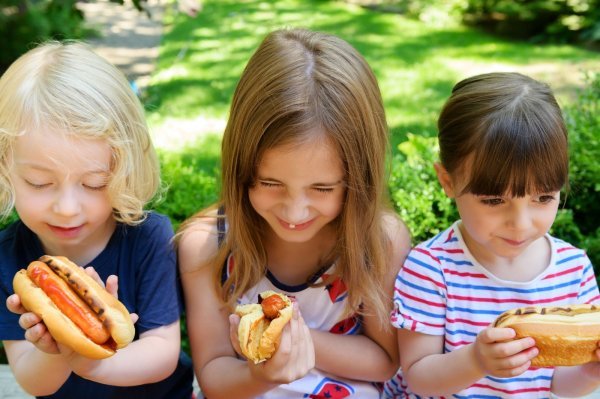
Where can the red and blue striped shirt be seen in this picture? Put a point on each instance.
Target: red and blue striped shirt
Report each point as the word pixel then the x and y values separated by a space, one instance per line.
pixel 443 290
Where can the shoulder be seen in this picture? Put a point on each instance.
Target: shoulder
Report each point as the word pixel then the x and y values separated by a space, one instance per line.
pixel 9 233
pixel 18 245
pixel 197 243
pixel 153 223
pixel 565 251
pixel 398 236
pixel 156 221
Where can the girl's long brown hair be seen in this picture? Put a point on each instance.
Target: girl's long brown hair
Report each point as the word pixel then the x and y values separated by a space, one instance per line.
pixel 296 81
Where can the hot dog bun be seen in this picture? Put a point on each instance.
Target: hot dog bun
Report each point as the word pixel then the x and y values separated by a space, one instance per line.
pixel 58 273
pixel 565 335
pixel 261 325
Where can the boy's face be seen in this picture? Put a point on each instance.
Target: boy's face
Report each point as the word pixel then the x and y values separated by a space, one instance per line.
pixel 299 189
pixel 500 229
pixel 61 193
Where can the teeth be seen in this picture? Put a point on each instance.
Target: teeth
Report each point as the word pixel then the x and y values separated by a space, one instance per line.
pixel 292 226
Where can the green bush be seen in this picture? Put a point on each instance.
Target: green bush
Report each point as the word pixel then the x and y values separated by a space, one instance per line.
pixel 416 194
pixel 192 179
pixel 583 123
pixel 23 24
pixel 556 20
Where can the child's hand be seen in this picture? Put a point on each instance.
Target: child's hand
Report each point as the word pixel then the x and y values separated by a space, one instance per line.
pixel 112 286
pixel 35 329
pixel 499 355
pixel 13 303
pixel 234 324
pixel 293 359
pixel 593 369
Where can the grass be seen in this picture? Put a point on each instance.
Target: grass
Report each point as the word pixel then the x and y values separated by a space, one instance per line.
pixel 417 63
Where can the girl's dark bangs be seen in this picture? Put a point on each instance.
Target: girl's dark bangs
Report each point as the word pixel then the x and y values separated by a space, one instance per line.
pixel 518 159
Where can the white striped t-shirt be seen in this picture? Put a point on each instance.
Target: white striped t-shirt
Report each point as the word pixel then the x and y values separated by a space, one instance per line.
pixel 443 290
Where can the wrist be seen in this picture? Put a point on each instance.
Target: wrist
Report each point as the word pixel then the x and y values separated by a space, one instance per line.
pixel 476 360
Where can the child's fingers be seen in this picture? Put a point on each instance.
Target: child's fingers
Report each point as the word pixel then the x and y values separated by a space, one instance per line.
pixel 307 347
pixel 112 282
pixel 511 348
pixel 90 271
pixel 41 338
pixel 492 334
pixel 112 285
pixel 28 320
pixel 13 303
pixel 234 322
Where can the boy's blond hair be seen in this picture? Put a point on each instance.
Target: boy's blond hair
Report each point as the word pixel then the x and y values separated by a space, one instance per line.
pixel 69 89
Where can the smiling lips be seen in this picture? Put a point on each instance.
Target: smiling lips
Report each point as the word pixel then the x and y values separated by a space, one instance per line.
pixel 514 242
pixel 296 227
pixel 66 232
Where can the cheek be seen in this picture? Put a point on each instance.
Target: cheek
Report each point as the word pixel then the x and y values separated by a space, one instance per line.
pixel 259 199
pixel 27 199
pixel 548 216
pixel 333 206
pixel 99 202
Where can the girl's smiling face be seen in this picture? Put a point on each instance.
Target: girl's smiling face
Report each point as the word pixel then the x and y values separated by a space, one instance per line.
pixel 299 189
pixel 60 184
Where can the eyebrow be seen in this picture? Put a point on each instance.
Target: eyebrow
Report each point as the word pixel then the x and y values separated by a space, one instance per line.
pixel 42 168
pixel 336 183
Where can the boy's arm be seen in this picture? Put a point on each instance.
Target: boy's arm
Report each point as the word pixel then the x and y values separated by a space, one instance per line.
pixel 156 349
pixel 39 368
pixel 37 372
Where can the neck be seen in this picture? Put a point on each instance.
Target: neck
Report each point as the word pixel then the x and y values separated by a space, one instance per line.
pixel 295 263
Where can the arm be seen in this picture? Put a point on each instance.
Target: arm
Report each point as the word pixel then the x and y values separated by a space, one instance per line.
pixel 41 366
pixel 576 381
pixel 37 372
pixel 220 373
pixel 36 362
pixel 580 380
pixel 431 372
pixel 40 373
pixel 375 357
pixel 156 349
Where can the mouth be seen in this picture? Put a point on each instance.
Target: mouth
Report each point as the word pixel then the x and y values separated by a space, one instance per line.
pixel 295 227
pixel 65 232
pixel 514 243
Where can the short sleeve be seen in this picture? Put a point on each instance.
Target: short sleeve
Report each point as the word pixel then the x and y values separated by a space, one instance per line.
pixel 157 291
pixel 420 294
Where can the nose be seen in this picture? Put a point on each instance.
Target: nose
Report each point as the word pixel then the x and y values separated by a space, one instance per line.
pixel 296 208
pixel 520 218
pixel 67 202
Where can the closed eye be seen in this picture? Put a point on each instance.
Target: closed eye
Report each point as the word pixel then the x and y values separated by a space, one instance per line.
pixel 95 188
pixel 266 183
pixel 323 189
pixel 38 186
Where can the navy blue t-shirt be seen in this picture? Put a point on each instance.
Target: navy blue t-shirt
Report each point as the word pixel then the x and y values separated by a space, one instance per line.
pixel 144 260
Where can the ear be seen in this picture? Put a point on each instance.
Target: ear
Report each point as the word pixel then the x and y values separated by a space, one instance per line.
pixel 445 179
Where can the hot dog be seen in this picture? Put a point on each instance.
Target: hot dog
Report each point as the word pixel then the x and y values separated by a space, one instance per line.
pixel 77 311
pixel 261 325
pixel 565 335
